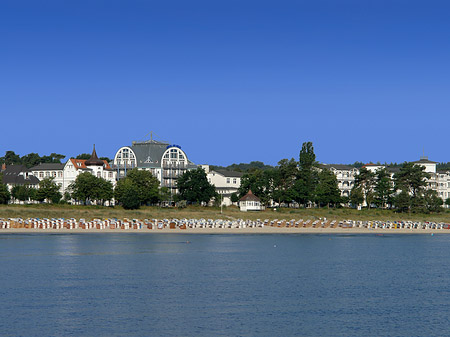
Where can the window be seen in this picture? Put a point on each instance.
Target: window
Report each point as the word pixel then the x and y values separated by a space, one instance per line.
pixel 228 180
pixel 234 180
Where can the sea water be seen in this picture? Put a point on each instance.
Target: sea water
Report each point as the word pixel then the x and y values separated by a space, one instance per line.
pixel 224 285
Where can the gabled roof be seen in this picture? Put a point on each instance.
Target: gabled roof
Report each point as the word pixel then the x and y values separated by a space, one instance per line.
pixel 229 174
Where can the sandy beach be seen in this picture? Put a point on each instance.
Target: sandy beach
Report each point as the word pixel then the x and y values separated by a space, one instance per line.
pixel 263 230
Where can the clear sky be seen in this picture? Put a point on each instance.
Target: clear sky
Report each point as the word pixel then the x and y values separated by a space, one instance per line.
pixel 229 80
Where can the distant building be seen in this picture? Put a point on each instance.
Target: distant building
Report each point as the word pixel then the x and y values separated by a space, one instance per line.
pixel 165 161
pixel 50 170
pixel 15 175
pixel 439 181
pixel 65 174
pixel 97 167
pixel 225 182
pixel 345 175
pixel 250 202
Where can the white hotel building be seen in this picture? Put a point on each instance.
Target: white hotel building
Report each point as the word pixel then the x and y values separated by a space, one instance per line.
pixel 165 161
pixel 65 174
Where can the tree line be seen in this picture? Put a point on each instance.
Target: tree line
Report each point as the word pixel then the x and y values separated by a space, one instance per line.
pixel 34 159
pixel 306 184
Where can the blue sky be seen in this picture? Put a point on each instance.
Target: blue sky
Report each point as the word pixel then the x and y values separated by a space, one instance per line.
pixel 229 81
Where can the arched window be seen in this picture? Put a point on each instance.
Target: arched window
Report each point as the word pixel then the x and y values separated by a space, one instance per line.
pixel 125 156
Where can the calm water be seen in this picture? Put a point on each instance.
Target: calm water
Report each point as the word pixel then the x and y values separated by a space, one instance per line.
pixel 224 285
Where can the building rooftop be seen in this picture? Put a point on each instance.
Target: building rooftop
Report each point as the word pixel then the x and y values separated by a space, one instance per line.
pixel 250 197
pixel 48 167
pixel 338 167
pixel 230 174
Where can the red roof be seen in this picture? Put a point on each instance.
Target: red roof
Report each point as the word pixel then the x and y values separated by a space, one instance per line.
pixel 250 197
pixel 81 164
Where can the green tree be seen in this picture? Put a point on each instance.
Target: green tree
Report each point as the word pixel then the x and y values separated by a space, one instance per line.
pixel 83 156
pixel 412 180
pixel 383 188
pixel 307 179
pixel 164 193
pixel 88 187
pixel 22 192
pixel 127 194
pixel 447 201
pixel 5 196
pixel 31 159
pixel 365 181
pixel 193 186
pixel 260 182
pixel 234 198
pixel 356 196
pixel 402 201
pixel 283 178
pixel 146 184
pixel 327 191
pixel 11 158
pixel 48 190
pixel 432 202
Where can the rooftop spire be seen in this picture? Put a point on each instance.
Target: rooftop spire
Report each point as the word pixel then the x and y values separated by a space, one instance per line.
pixel 94 159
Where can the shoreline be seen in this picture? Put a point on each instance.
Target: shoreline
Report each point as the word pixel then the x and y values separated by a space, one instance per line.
pixel 234 231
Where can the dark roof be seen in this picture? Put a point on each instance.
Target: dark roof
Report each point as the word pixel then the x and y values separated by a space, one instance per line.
pixel 393 169
pixel 424 161
pixel 231 174
pixel 20 180
pixel 16 175
pixel 15 169
pixel 48 167
pixel 149 154
pixel 250 197
pixel 94 161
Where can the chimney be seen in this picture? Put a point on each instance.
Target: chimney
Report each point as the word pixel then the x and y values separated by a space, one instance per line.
pixel 3 166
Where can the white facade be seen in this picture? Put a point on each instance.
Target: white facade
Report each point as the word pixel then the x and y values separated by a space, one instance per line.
pixel 74 167
pixel 55 171
pixel 345 176
pixel 250 202
pixel 225 182
pixel 65 174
